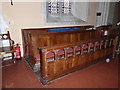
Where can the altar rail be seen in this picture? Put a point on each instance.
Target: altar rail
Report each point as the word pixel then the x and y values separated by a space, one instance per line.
pixel 61 59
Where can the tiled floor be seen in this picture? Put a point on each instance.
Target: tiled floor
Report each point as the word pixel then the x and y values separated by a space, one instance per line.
pixel 100 75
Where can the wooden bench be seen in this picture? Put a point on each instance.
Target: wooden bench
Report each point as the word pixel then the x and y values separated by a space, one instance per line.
pixel 35 38
pixel 59 60
pixel 59 53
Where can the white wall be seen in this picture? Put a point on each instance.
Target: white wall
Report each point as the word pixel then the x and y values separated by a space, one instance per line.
pixel 107 13
pixel 22 15
pixel 81 10
pixel 111 13
pixel 30 15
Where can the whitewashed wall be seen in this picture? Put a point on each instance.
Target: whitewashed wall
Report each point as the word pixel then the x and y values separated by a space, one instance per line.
pixel 3 27
pixel 81 10
pixel 107 13
pixel 111 13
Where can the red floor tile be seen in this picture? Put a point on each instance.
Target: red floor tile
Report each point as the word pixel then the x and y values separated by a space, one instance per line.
pixel 100 75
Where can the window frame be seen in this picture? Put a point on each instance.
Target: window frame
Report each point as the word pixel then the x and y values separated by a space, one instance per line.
pixel 47 22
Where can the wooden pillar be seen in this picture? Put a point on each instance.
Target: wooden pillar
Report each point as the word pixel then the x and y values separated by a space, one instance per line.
pixel 115 44
pixel 43 61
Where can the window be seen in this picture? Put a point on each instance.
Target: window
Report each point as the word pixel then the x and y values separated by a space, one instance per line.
pixel 65 12
pixel 53 7
pixel 59 7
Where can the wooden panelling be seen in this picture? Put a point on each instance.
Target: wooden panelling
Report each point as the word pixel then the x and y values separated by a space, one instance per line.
pixel 40 42
pixel 72 60
pixel 36 38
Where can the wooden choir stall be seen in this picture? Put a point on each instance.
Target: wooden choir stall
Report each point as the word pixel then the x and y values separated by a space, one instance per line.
pixel 55 52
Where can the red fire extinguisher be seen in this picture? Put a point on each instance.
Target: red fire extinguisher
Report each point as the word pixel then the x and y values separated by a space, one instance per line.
pixel 17 52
